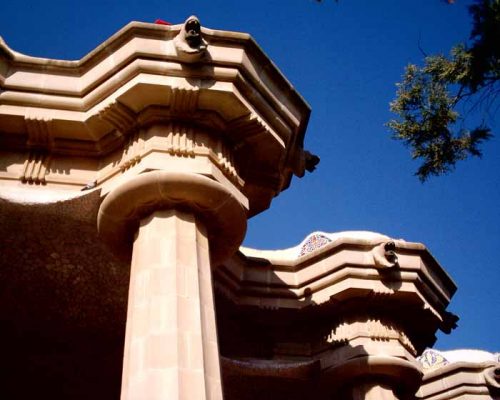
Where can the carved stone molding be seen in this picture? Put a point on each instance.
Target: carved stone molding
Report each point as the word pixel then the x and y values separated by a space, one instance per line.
pixel 373 329
pixel 166 139
pixel 132 152
pixel 119 116
pixel 186 140
pixel 181 140
pixel 38 130
pixel 184 100
pixel 247 128
pixel 35 167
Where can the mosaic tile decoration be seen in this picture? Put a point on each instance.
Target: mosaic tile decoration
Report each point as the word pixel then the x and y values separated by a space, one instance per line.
pixel 432 359
pixel 313 242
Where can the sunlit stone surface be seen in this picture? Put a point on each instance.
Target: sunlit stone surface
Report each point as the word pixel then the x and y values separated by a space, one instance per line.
pixel 126 182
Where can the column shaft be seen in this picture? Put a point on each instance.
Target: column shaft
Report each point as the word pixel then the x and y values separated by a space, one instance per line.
pixel 373 391
pixel 171 349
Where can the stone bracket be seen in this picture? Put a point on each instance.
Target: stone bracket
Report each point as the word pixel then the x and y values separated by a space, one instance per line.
pixel 184 100
pixel 122 118
pixel 35 167
pixel 38 130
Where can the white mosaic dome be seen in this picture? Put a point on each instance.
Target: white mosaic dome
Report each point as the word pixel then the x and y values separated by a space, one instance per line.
pixel 432 358
pixel 315 241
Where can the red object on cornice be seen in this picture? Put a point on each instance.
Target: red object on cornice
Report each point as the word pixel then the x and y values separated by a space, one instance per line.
pixel 162 22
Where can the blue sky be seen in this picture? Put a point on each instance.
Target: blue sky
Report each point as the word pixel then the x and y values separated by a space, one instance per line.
pixel 344 58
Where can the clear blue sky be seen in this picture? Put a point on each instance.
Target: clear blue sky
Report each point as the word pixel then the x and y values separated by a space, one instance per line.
pixel 344 58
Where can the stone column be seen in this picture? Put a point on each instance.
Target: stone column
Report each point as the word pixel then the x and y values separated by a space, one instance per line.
pixel 184 224
pixel 171 349
pixel 372 391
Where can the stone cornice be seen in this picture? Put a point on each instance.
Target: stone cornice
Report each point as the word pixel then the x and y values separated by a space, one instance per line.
pixel 460 379
pixel 346 278
pixel 144 48
pixel 95 108
pixel 293 280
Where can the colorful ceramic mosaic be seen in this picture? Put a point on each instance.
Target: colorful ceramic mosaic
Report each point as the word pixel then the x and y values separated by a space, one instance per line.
pixel 313 242
pixel 432 359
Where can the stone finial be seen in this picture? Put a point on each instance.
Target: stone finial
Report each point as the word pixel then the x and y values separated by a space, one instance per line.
pixel 311 161
pixel 449 322
pixel 384 255
pixel 304 161
pixel 189 43
pixel 492 376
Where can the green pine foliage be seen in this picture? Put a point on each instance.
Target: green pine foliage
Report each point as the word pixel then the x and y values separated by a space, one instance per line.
pixel 429 96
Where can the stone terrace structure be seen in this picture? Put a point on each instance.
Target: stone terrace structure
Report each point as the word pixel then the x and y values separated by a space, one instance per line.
pixel 126 182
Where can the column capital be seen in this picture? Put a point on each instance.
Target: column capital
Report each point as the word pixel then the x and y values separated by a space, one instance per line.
pixel 404 374
pixel 222 214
